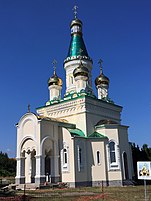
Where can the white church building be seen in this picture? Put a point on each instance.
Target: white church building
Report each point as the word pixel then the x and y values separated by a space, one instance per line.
pixel 76 138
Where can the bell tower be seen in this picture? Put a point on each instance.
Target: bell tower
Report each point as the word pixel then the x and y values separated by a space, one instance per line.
pixel 77 54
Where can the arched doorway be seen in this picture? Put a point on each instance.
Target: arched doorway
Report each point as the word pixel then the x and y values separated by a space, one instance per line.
pixel 48 166
pixel 28 160
pixel 125 166
pixel 48 155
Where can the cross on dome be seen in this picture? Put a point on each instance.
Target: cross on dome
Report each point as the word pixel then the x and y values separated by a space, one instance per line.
pixel 54 63
pixel 75 11
pixel 100 62
pixel 29 108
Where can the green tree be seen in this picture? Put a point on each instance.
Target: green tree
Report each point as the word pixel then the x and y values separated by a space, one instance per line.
pixel 143 154
pixel 7 165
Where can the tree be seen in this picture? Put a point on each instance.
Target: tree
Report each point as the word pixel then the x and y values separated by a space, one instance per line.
pixel 7 165
pixel 143 154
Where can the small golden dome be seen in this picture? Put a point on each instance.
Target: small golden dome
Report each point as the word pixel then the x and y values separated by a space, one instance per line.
pixel 102 80
pixel 54 80
pixel 76 22
pixel 81 71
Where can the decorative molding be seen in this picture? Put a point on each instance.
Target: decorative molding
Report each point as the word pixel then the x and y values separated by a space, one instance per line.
pixel 82 105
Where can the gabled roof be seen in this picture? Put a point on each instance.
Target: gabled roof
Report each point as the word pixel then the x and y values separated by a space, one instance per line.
pixel 96 135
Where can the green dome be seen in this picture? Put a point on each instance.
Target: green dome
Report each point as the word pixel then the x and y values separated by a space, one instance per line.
pixel 77 47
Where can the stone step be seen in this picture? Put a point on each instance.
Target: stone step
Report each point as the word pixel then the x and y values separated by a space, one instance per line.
pixel 128 183
pixel 27 186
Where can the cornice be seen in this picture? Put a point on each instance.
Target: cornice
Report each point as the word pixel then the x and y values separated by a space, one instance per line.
pixel 83 104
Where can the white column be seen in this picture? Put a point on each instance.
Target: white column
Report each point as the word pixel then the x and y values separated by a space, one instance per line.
pixel 40 166
pixel 18 177
pixel 28 167
pixel 23 166
pixel 108 156
pixel 56 159
pixel 18 169
pixel 40 169
pixel 40 161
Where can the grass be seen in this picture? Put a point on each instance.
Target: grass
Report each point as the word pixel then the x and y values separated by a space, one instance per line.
pixel 131 193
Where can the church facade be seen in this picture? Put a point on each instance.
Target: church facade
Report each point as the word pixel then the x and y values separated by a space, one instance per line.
pixel 77 139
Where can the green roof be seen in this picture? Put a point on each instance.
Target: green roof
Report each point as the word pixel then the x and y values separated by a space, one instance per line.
pixel 76 131
pixel 97 135
pixel 77 47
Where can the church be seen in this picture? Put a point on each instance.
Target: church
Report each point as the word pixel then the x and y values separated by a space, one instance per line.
pixel 76 138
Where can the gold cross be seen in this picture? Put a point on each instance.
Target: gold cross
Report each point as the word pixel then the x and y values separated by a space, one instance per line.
pixel 28 107
pixel 75 11
pixel 54 63
pixel 100 62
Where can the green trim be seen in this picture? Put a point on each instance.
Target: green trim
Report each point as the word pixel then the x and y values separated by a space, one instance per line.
pixel 96 135
pixel 73 95
pixel 76 131
pixel 80 95
pixel 70 96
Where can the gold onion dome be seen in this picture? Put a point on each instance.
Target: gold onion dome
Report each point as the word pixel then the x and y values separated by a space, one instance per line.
pixel 54 80
pixel 81 71
pixel 76 22
pixel 102 80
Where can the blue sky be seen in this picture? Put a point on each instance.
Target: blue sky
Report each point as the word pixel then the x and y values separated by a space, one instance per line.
pixel 34 32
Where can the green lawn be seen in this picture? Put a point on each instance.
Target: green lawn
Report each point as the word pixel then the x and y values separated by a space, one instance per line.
pixel 130 193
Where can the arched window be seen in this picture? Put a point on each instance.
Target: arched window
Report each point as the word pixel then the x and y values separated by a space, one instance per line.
pixel 98 157
pixel 112 152
pixel 65 156
pixel 113 155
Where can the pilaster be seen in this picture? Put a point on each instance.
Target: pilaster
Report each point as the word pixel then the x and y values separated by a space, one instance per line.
pixel 40 167
pixel 20 177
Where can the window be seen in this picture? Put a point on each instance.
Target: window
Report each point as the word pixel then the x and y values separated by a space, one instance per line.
pixel 98 157
pixel 113 155
pixel 112 152
pixel 79 158
pixel 71 79
pixel 64 156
